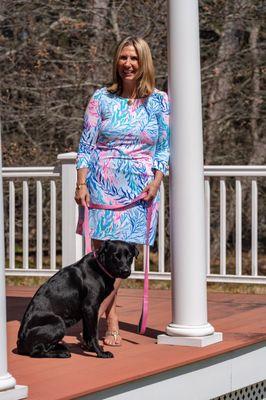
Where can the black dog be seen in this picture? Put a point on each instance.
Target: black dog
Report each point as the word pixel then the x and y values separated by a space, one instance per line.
pixel 72 294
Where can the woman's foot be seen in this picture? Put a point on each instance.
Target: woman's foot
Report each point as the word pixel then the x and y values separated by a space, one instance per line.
pixel 112 338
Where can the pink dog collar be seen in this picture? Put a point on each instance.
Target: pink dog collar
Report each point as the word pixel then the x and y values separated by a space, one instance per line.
pixel 102 267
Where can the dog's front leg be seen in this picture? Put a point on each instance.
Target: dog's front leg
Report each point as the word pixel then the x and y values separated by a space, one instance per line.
pixel 90 332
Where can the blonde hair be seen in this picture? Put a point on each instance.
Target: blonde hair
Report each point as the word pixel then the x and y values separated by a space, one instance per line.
pixel 146 73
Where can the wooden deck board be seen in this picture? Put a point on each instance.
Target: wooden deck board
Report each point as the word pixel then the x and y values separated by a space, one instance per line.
pixel 240 317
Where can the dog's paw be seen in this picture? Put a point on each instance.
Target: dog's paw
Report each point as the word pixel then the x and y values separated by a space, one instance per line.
pixel 105 354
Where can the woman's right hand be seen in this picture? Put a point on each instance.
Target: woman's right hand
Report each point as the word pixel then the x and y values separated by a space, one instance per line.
pixel 82 196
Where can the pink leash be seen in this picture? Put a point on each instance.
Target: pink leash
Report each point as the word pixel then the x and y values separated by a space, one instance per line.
pixel 83 228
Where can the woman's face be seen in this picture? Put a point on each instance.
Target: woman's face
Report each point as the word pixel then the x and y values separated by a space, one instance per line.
pixel 128 64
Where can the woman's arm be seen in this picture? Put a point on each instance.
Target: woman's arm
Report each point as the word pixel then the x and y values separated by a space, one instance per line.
pixel 162 150
pixel 92 120
pixel 91 125
pixel 161 156
pixel 81 193
pixel 153 187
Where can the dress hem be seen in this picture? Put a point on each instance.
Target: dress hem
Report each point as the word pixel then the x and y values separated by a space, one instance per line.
pixel 123 240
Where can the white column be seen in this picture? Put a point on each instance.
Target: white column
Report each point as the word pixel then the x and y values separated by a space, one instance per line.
pixel 71 242
pixel 8 388
pixel 187 214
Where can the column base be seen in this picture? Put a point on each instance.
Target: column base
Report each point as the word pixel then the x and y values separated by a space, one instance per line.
pixel 189 330
pixel 7 381
pixel 195 341
pixel 17 393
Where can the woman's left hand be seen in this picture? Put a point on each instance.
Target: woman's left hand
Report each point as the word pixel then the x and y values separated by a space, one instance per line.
pixel 151 190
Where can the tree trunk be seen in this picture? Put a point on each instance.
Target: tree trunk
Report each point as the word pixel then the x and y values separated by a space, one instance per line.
pixel 219 104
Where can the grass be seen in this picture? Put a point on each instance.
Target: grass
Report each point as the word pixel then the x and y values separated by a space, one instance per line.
pixel 237 288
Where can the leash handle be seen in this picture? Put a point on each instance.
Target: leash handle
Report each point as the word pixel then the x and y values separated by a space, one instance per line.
pixel 83 220
pixel 117 206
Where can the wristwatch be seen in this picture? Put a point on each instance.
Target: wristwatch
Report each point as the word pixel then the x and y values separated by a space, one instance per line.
pixel 78 186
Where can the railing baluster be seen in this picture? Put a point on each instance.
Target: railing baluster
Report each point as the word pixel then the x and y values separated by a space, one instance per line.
pixel 25 225
pixel 39 226
pixel 222 227
pixel 254 230
pixel 207 223
pixel 161 229
pixel 133 265
pixel 238 189
pixel 53 225
pixel 11 225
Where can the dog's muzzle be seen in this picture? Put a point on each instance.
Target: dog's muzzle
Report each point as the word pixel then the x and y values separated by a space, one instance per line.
pixel 125 273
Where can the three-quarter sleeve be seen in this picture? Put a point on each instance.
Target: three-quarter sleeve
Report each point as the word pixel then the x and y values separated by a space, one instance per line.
pixel 161 156
pixel 91 124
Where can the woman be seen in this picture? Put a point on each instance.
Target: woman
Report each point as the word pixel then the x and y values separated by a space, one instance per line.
pixel 124 151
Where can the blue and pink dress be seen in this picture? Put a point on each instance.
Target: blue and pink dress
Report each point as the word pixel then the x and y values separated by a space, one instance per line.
pixel 122 145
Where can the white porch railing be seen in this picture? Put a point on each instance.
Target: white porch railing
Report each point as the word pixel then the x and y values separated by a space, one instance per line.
pixel 238 173
pixel 62 178
pixel 20 178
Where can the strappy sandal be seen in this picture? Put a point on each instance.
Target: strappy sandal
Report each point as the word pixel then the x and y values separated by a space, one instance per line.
pixel 115 335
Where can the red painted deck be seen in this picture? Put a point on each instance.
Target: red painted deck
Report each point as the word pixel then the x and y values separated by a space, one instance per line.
pixel 240 317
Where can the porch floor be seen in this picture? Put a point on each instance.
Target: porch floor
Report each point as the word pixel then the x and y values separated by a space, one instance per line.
pixel 240 317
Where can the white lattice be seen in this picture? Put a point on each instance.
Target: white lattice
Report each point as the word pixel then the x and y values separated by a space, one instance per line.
pixel 257 391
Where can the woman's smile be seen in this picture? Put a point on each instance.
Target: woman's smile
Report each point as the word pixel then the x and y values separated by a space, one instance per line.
pixel 128 63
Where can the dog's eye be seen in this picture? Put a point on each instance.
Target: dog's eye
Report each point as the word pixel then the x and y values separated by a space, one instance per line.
pixel 117 256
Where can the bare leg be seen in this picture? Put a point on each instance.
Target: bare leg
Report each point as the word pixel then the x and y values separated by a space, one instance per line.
pixel 112 337
pixel 108 306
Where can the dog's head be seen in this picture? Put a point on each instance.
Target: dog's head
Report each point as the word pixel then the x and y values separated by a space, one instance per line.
pixel 117 257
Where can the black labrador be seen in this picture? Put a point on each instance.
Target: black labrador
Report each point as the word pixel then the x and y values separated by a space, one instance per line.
pixel 74 293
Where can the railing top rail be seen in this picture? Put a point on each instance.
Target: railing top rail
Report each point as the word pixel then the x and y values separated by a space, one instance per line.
pixel 55 171
pixel 235 170
pixel 31 172
pixel 72 155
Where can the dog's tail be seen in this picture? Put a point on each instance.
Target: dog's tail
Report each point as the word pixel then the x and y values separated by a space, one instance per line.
pixel 20 348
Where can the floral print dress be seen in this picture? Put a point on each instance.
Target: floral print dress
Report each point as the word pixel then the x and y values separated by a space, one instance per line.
pixel 122 145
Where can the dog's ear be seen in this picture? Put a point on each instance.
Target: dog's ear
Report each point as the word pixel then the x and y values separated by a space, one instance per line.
pixel 134 250
pixel 104 247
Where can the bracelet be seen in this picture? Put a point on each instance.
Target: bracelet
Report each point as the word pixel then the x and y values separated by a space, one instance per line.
pixel 78 186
